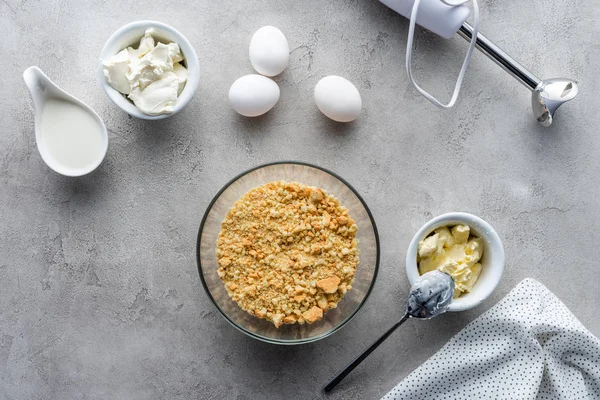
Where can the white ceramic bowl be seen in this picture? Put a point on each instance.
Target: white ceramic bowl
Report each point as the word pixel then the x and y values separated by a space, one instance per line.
pixel 130 35
pixel 492 260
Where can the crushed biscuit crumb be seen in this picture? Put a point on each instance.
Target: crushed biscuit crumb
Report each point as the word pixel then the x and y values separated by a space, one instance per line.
pixel 312 315
pixel 329 285
pixel 287 252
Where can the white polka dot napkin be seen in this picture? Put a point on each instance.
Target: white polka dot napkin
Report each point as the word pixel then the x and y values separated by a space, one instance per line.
pixel 528 346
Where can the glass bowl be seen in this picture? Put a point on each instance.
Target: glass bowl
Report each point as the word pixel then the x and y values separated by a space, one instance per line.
pixel 366 272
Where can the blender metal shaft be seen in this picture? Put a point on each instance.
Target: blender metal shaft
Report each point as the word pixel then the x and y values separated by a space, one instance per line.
pixel 500 57
pixel 547 95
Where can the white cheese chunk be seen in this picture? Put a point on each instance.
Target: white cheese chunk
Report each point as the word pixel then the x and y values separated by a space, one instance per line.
pixel 151 75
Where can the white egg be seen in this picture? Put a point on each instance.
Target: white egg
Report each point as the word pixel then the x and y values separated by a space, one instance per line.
pixel 253 95
pixel 269 51
pixel 338 98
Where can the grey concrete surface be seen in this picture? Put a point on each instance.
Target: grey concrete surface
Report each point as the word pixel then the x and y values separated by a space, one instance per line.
pixel 99 292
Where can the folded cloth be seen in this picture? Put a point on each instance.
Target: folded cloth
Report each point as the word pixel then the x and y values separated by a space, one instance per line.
pixel 528 346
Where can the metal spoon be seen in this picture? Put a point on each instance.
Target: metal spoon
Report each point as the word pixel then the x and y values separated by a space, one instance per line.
pixel 547 94
pixel 429 297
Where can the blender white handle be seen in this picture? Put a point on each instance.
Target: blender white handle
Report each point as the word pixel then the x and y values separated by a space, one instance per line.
pixel 442 17
pixel 463 69
pixel 455 3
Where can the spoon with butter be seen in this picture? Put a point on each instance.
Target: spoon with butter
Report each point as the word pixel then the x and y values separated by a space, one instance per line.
pixel 429 297
pixel 70 136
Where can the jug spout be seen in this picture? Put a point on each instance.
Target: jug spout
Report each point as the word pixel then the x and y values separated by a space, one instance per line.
pixel 38 84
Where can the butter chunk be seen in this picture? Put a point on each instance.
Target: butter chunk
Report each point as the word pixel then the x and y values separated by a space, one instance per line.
pixel 456 255
pixel 474 250
pixel 428 246
pixel 461 233
pixel 445 237
pixel 462 275
pixel 475 272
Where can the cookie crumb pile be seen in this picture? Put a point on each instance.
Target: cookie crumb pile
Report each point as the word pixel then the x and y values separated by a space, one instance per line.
pixel 287 252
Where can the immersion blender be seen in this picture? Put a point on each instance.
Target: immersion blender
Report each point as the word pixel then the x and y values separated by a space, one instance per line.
pixel 446 19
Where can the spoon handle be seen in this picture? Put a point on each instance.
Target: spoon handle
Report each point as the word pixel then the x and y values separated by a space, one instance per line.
pixel 333 383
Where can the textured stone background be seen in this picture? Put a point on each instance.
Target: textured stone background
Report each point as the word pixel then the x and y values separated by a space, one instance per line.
pixel 99 292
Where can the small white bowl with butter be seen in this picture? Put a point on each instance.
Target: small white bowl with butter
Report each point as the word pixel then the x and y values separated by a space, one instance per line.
pixel 162 87
pixel 481 237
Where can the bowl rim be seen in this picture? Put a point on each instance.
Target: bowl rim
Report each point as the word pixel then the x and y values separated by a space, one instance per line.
pixel 497 263
pixel 190 57
pixel 295 341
